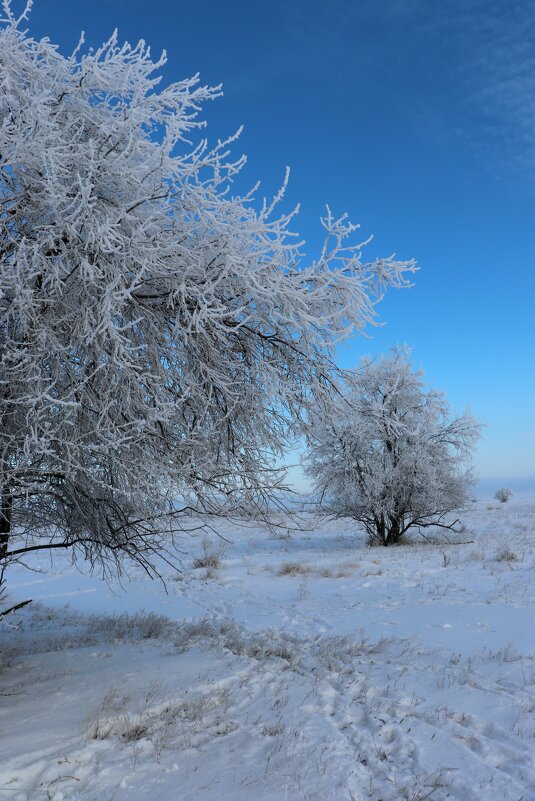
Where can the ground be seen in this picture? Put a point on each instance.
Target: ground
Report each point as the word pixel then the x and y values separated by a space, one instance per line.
pixel 282 666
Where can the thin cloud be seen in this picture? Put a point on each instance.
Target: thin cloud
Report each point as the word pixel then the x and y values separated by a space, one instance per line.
pixel 491 47
pixel 480 54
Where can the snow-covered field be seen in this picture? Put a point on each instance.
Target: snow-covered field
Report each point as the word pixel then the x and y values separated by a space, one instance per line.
pixel 293 666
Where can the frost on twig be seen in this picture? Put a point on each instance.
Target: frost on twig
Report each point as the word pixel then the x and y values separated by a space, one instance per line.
pixel 385 451
pixel 159 336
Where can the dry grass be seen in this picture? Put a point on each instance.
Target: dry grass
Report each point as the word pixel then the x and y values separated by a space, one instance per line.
pixel 293 569
pixel 505 555
pixel 210 559
pixel 327 573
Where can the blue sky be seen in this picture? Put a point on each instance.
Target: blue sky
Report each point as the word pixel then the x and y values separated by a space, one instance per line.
pixel 416 117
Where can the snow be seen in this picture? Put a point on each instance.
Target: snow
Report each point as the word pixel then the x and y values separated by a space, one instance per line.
pixel 303 665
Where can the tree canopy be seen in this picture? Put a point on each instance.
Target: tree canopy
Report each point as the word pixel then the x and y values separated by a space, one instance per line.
pixel 159 335
pixel 386 451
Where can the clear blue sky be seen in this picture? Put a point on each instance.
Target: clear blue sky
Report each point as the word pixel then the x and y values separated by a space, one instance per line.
pixel 416 117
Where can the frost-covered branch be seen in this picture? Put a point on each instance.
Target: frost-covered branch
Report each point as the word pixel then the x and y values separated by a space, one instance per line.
pixel 159 336
pixel 385 452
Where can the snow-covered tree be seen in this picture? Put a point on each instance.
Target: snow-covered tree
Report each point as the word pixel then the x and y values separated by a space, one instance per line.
pixel 158 334
pixel 503 494
pixel 385 451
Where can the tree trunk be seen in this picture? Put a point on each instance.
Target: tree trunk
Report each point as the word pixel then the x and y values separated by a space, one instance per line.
pixel 394 531
pixel 5 522
pixel 381 531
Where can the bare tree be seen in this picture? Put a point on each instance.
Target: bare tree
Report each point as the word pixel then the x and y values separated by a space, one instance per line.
pixel 159 335
pixel 384 451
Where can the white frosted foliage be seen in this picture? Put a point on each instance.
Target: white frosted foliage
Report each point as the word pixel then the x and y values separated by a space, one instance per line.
pixel 386 451
pixel 158 333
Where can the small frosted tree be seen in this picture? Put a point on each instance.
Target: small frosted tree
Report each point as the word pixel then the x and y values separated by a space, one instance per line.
pixel 159 336
pixel 384 450
pixel 503 494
